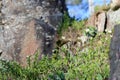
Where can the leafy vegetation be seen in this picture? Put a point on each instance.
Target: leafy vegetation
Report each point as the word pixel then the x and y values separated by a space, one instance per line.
pixel 90 31
pixel 90 63
pixel 77 25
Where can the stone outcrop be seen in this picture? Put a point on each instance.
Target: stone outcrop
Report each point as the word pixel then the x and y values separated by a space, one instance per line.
pixel 101 21
pixel 115 54
pixel 98 20
pixel 104 21
pixel 28 26
pixel 113 18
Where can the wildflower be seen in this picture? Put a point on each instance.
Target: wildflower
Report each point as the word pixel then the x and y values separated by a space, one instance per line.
pixel 63 37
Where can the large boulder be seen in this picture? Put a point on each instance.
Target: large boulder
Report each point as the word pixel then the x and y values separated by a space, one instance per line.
pixel 115 54
pixel 28 26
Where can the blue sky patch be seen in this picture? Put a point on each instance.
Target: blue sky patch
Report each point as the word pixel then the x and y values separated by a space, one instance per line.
pixel 81 11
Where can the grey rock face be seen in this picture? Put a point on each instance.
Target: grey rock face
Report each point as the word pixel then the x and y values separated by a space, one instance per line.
pixel 113 18
pixel 28 26
pixel 115 55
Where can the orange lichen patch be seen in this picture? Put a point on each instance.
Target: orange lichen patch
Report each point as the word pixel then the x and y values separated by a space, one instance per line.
pixel 30 44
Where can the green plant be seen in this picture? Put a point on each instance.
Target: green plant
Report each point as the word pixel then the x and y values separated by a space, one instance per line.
pixel 66 22
pixel 90 32
pixel 78 24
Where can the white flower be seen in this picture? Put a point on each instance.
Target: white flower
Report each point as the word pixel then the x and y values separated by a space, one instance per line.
pixel 63 37
pixel 87 30
pixel 79 38
pixel 111 36
pixel 106 38
pixel 109 31
pixel 106 30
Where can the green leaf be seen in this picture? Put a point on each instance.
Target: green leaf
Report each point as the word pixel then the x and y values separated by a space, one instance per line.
pixel 99 77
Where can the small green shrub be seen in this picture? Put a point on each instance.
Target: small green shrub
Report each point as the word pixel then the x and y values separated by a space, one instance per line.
pixel 90 32
pixel 66 22
pixel 70 22
pixel 78 24
pixel 97 8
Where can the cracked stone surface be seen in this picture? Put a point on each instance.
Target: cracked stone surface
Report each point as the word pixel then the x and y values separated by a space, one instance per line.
pixel 27 26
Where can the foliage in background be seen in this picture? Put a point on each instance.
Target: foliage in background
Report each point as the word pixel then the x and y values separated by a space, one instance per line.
pixel 70 22
pixel 78 24
pixel 66 22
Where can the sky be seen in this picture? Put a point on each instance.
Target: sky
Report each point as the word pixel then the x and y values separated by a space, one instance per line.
pixel 81 11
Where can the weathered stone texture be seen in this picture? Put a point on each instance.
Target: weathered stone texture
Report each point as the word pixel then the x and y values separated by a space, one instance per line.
pixel 28 26
pixel 115 54
pixel 98 20
pixel 113 18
